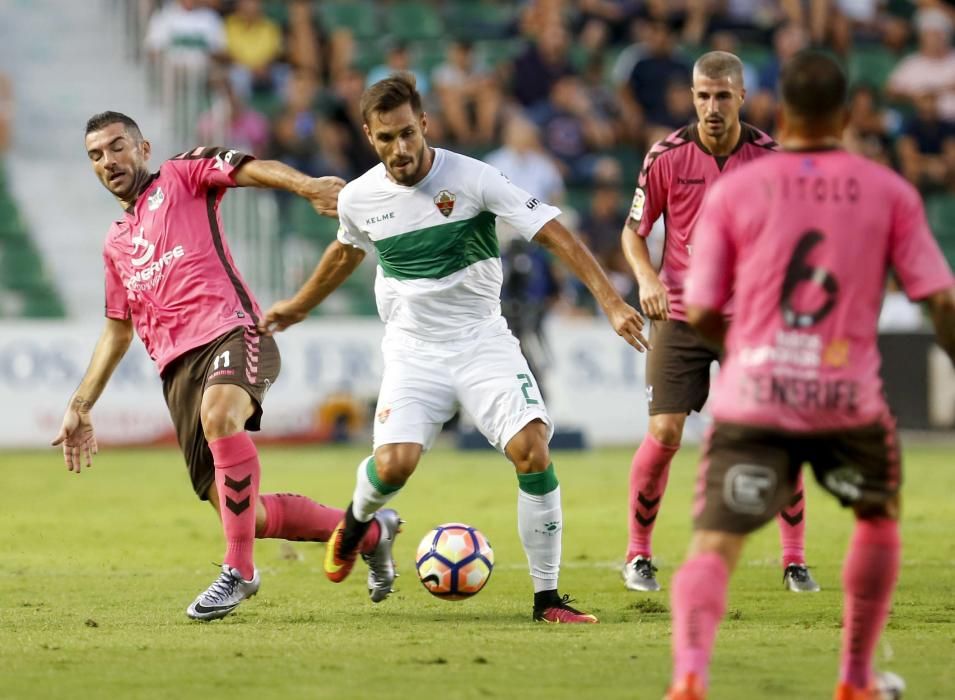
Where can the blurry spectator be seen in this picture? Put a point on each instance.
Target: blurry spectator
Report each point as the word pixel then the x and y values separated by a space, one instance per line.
pixel 926 146
pixel 525 163
pixel 600 224
pixel 254 43
pixel 6 113
pixel 679 104
pixel 614 15
pixel 186 32
pixel 540 65
pixel 644 93
pixel 303 40
pixel 788 40
pixel 854 19
pixel 572 129
pixel 529 291
pixel 749 20
pixel 760 107
pixel 932 67
pixel 231 122
pixel 397 60
pixel 867 130
pixel 293 130
pixel 342 109
pixel 469 95
pixel 896 25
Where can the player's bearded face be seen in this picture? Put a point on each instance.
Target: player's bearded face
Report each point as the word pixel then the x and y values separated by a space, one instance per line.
pixel 398 139
pixel 717 102
pixel 118 158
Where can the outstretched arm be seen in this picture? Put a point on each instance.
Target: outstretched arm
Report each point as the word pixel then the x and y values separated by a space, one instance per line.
pixel 623 317
pixel 338 262
pixel 322 192
pixel 942 306
pixel 76 434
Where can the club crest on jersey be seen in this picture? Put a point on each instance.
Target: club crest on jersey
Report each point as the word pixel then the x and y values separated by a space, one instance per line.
pixel 155 200
pixel 444 201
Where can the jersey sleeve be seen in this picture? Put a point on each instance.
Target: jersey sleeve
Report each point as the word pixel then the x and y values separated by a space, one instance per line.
pixel 914 253
pixel 523 212
pixel 350 234
pixel 650 195
pixel 209 168
pixel 709 283
pixel 117 304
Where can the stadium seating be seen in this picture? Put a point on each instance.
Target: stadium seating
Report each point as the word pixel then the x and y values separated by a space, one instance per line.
pixel 478 20
pixel 25 286
pixel 359 16
pixel 870 65
pixel 413 21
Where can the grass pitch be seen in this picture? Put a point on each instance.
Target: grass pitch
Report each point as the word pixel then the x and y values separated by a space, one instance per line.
pixel 96 571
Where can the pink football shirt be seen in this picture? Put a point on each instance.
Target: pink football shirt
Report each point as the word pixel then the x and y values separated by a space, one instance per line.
pixel 807 239
pixel 676 174
pixel 168 266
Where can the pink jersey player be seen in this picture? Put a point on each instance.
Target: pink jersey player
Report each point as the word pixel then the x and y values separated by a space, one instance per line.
pixel 168 265
pixel 806 240
pixel 170 276
pixel 677 173
pixel 803 240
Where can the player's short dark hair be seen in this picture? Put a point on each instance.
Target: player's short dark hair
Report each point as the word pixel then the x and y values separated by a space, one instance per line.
pixel 719 64
pixel 388 94
pixel 104 119
pixel 813 85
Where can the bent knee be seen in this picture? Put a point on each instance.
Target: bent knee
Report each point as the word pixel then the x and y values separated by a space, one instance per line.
pixel 221 421
pixel 531 456
pixel 396 463
pixel 667 428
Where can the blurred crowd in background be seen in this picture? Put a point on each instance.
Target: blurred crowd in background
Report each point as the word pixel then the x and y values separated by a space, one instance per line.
pixel 564 96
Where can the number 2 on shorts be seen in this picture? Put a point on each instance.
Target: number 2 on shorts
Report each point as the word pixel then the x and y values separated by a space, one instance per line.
pixel 528 384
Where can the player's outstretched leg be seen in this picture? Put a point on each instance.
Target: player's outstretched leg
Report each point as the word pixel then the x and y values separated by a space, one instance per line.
pixel 792 535
pixel 371 493
pixel 868 577
pixel 237 473
pixel 290 516
pixel 540 524
pixel 649 472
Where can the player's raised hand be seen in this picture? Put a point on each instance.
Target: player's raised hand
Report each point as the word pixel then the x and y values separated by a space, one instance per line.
pixel 629 324
pixel 283 314
pixel 77 437
pixel 322 192
pixel 654 299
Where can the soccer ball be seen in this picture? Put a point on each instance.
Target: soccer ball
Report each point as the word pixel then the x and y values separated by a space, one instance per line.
pixel 454 561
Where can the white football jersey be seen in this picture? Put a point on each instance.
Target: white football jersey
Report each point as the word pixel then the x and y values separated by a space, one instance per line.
pixel 439 264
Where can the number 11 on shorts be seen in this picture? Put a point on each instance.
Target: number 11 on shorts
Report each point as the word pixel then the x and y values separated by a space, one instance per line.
pixel 528 383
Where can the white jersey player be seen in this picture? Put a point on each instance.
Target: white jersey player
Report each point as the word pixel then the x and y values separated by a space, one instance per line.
pixel 428 215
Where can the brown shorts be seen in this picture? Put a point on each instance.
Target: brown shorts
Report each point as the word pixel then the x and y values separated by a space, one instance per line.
pixel 678 368
pixel 240 357
pixel 748 474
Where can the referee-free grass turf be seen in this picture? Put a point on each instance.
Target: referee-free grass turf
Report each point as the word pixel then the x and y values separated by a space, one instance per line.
pixel 96 571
